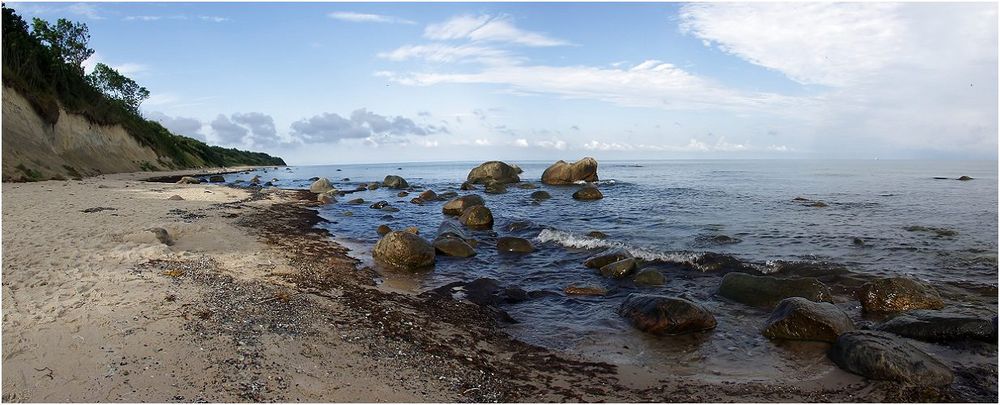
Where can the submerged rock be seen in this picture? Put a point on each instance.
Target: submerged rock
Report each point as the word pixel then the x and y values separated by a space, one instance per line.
pixel 597 235
pixel 379 205
pixel 497 171
pixel 495 187
pixel 585 290
pixel 356 201
pixel 395 182
pixel 526 186
pixel 588 193
pixel 467 186
pixel 882 356
pixel 565 173
pixel 941 326
pixel 797 318
pixel 428 195
pixel 511 244
pixel 403 250
pixel 402 194
pixel 452 245
pixel 965 178
pixel 321 185
pixel 217 179
pixel 619 269
pixel 607 257
pixel 477 217
pixel 373 186
pixel 541 195
pixel 766 291
pixel 326 198
pixel 662 315
pixel 460 204
pixel 898 294
pixel 649 277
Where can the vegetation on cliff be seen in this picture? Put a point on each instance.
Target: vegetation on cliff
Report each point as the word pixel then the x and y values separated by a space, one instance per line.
pixel 44 64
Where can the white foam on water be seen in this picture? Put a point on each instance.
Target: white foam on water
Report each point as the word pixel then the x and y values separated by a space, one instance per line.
pixel 570 240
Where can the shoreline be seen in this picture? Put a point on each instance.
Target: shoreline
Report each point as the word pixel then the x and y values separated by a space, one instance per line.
pixel 319 329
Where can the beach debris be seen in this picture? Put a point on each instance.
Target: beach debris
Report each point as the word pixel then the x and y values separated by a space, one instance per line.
pixel 649 277
pixel 767 291
pixel 188 180
pixel 493 171
pixel 941 326
pixel 321 186
pixel 98 209
pixel 395 182
pixel 569 173
pixel 175 197
pixel 477 217
pixel 404 250
pixel 663 315
pixel 162 236
pixel 895 294
pixel 573 289
pixel 510 244
pixel 460 204
pixel 588 193
pixel 882 356
pixel 797 318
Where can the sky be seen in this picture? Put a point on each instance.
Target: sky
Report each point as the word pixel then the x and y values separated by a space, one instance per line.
pixel 322 83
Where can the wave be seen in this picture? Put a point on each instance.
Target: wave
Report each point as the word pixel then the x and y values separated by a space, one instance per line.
pixel 570 240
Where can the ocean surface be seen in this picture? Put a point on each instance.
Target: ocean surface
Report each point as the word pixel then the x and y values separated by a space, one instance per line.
pixel 880 218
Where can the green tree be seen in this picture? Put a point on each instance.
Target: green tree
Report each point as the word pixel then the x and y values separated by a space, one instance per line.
pixel 118 87
pixel 67 40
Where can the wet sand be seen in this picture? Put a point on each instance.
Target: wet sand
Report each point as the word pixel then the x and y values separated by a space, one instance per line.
pixel 251 302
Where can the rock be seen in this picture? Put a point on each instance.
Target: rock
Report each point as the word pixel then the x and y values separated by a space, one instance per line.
pixel 649 277
pixel 526 186
pixel 348 214
pixel 383 229
pixel 395 182
pixel 404 250
pixel 766 291
pixel 162 236
pixel 321 186
pixel 379 205
pixel 724 240
pixel 412 229
pixel 882 356
pixel 269 184
pixel 373 186
pixel 428 195
pixel 345 179
pixel 606 257
pixel 452 245
pixel 255 180
pixel 175 197
pixel 662 315
pixel 517 169
pixel 217 179
pixel 514 245
pixel 585 290
pixel 495 187
pixel 477 217
pixel 541 195
pixel 497 171
pixel 449 227
pixel 361 187
pixel 460 204
pixel 188 180
pixel 417 200
pixel 797 318
pixel 588 193
pixel 467 186
pixel 447 195
pixel 313 178
pixel 402 194
pixel 597 234
pixel 858 242
pixel 619 269
pixel 819 204
pixel 965 178
pixel 357 201
pixel 389 208
pixel 941 326
pixel 898 294
pixel 566 173
pixel 326 198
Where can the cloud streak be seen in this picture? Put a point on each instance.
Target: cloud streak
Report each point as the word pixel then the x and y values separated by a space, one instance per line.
pixel 367 18
pixel 488 28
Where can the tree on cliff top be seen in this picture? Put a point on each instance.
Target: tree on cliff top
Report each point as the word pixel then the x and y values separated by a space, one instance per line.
pixel 66 40
pixel 118 87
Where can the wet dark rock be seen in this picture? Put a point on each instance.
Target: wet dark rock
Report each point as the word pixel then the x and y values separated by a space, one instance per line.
pixel 724 240
pixel 373 186
pixel 516 226
pixel 526 186
pixel 965 178
pixel 515 295
pixel 495 187
pixel 321 185
pixel 313 178
pixel 883 356
pixel 404 250
pixel 588 193
pixel 941 326
pixel 412 229
pixel 568 173
pixel 767 291
pixel 460 204
pixel 383 229
pixel 379 205
pixel 514 245
pixel 454 246
pixel 417 200
pixel 269 184
pixel 395 182
pixel 447 195
pixel 361 187
pixel 939 232
pixel 467 186
pixel 619 269
pixel 649 277
pixel 541 195
pixel 797 318
pixel 217 179
pixel 662 315
pixel 607 257
pixel 477 217
pixel 357 201
pixel 450 227
pixel 325 198
pixel 585 290
pixel 428 195
pixel 390 208
pixel 819 204
pixel 402 194
pixel 495 171
pixel 597 235
pixel 345 179
pixel 898 294
pixel 858 242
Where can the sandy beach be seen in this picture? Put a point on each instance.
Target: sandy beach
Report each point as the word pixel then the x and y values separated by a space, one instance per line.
pixel 250 302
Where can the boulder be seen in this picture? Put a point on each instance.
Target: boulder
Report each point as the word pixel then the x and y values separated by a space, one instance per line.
pixel 402 194
pixel 412 229
pixel 649 277
pixel 767 291
pixel 395 182
pixel 597 234
pixel 526 186
pixel 313 178
pixel 452 245
pixel 383 229
pixel 326 198
pixel 188 180
pixel 467 186
pixel 797 318
pixel 619 269
pixel 662 315
pixel 357 201
pixel 447 195
pixel 585 290
pixel 379 205
pixel 255 180
pixel 882 356
pixel 417 200
pixel 965 178
pixel 460 204
pixel 321 186
pixel 373 186
pixel 428 195
pixel 477 217
pixel 607 257
pixel 511 244
pixel 568 173
pixel 495 187
pixel 541 195
pixel 898 294
pixel 588 193
pixel 218 178
pixel 497 171
pixel 941 326
pixel 403 250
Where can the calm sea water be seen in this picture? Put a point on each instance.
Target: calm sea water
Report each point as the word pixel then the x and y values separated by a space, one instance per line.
pixel 672 211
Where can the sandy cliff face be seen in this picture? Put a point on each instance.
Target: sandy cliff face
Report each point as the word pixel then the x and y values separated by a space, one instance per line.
pixel 71 147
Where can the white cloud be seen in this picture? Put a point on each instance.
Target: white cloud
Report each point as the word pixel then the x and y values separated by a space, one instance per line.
pixel 556 144
pixel 126 69
pixel 488 28
pixel 372 18
pixel 442 53
pixel 521 143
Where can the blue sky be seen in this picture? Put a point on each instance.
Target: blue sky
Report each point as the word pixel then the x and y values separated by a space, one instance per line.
pixel 353 82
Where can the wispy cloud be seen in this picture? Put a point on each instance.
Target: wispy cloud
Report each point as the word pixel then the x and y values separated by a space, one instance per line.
pixel 443 53
pixel 182 17
pixel 488 28
pixel 367 18
pixel 84 10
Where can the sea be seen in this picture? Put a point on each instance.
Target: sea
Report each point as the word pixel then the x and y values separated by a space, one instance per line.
pixel 877 218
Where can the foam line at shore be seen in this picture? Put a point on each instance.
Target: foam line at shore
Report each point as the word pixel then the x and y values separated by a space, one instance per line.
pixel 570 240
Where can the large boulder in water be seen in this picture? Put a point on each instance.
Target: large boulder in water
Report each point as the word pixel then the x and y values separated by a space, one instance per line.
pixel 497 171
pixel 395 182
pixel 941 326
pixel 568 173
pixel 882 356
pixel 510 244
pixel 662 315
pixel 898 294
pixel 460 204
pixel 607 257
pixel 403 250
pixel 321 186
pixel 619 269
pixel 428 195
pixel 766 291
pixel 588 193
pixel 649 277
pixel 797 318
pixel 451 245
pixel 477 217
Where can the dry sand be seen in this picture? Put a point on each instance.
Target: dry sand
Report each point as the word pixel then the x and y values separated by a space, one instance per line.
pixel 252 303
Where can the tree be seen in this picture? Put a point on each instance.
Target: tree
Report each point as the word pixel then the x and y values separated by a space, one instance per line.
pixel 67 40
pixel 118 87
